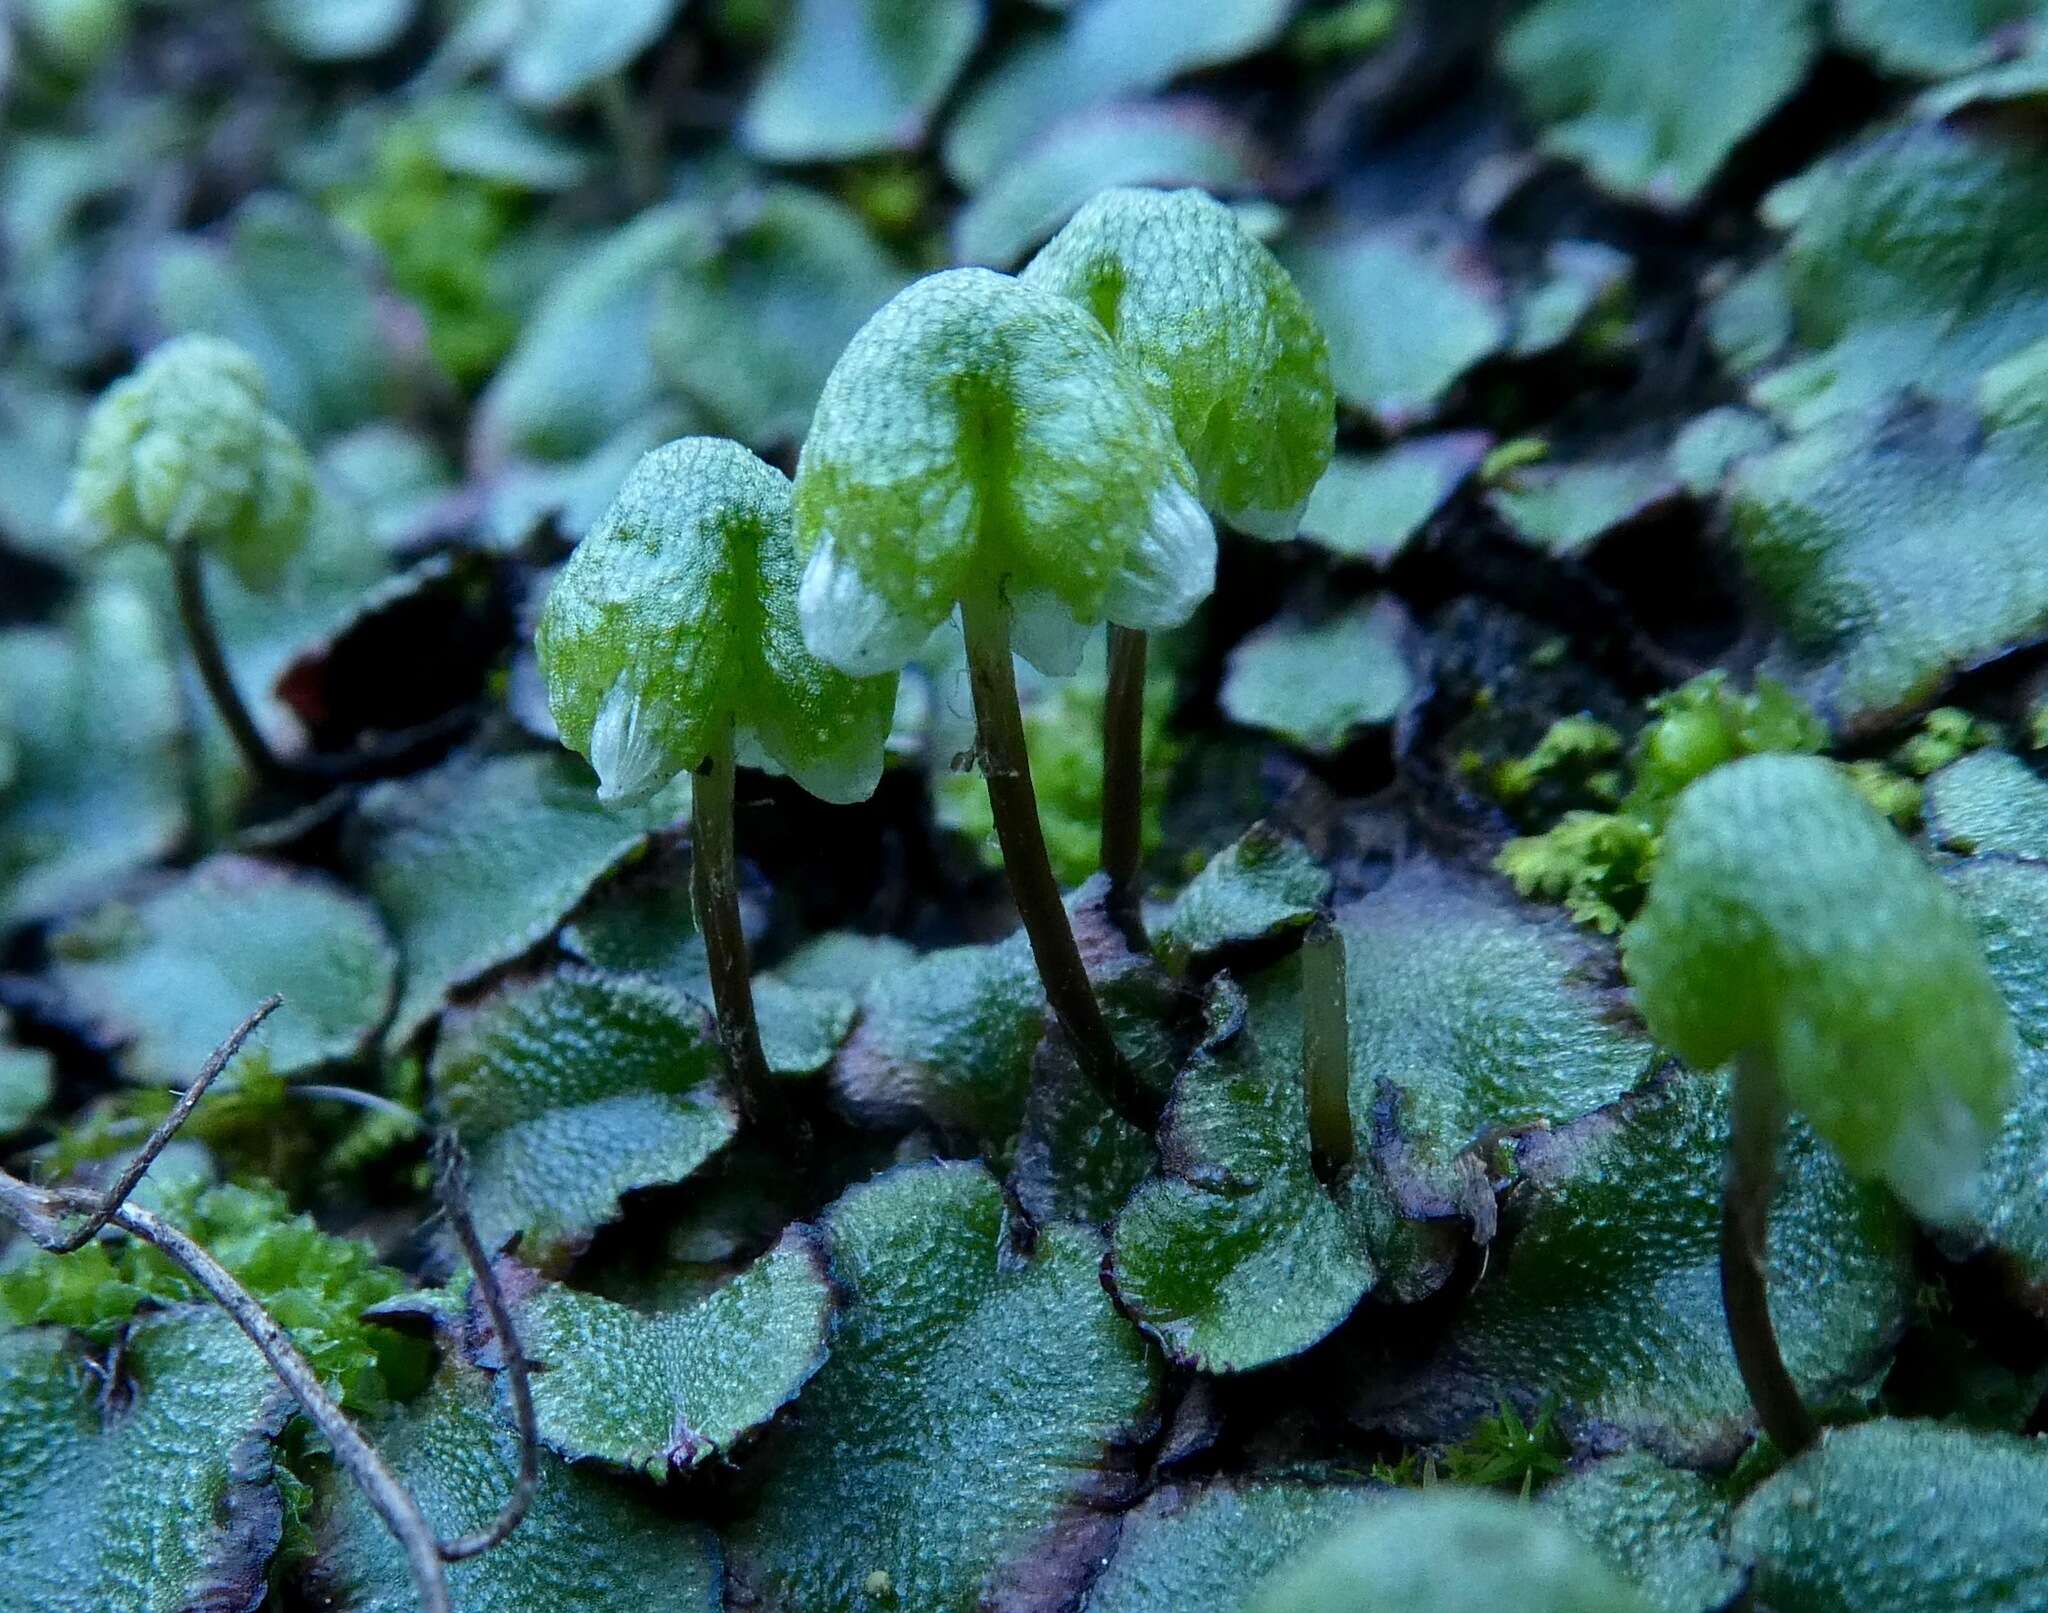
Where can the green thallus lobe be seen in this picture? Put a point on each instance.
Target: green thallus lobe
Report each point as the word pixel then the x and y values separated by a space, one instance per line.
pixel 1789 930
pixel 1447 1551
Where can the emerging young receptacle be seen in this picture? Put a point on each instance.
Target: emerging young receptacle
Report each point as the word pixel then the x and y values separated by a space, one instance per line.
pixel 1790 931
pixel 981 444
pixel 1447 1549
pixel 670 645
pixel 186 454
pixel 1229 350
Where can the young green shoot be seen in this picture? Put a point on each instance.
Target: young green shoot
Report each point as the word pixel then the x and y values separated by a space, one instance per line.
pixel 981 445
pixel 1326 1051
pixel 1792 933
pixel 1228 349
pixel 670 645
pixel 185 454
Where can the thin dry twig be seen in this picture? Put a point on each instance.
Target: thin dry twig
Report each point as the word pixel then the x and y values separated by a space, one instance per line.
pixel 388 1497
pixel 452 1162
pixel 45 1215
pixel 101 1210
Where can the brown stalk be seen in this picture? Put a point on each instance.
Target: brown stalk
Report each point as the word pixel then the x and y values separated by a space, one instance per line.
pixel 1758 1121
pixel 1013 803
pixel 1123 782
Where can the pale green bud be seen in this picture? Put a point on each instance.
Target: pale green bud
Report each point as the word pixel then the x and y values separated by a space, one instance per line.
pixel 187 448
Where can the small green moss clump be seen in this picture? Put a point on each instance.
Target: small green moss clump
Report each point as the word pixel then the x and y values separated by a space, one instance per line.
pixel 1354 28
pixel 1947 734
pixel 1578 756
pixel 187 448
pixel 1510 1452
pixel 1790 925
pixel 1704 723
pixel 73 37
pixel 441 235
pixel 315 1284
pixel 1596 863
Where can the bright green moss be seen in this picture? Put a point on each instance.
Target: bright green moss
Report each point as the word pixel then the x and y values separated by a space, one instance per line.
pixel 187 447
pixel 1789 924
pixel 75 36
pixel 1596 863
pixel 1219 334
pixel 981 438
pixel 316 1285
pixel 675 622
pixel 1356 28
pixel 1947 734
pixel 440 233
pixel 1508 1452
pixel 1704 723
pixel 1892 793
pixel 1577 753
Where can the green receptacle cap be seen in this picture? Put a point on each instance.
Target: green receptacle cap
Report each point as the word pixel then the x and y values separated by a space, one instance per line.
pixel 1219 334
pixel 982 436
pixel 1789 923
pixel 187 447
pixel 677 616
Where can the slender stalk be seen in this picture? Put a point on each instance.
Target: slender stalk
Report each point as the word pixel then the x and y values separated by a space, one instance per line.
pixel 1326 1052
pixel 1758 1119
pixel 639 155
pixel 1123 781
pixel 375 1102
pixel 188 575
pixel 395 752
pixel 100 1212
pixel 1006 769
pixel 715 893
